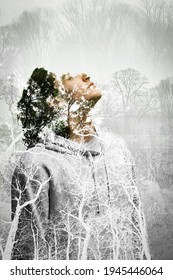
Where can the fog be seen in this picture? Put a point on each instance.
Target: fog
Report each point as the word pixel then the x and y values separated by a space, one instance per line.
pixel 10 10
pixel 126 47
pixel 98 37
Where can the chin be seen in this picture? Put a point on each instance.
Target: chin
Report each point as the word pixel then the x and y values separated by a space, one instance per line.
pixel 95 95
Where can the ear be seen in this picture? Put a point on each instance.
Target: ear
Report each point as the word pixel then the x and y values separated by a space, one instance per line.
pixel 53 102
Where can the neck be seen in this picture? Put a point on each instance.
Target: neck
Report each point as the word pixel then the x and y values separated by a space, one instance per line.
pixel 82 136
pixel 82 129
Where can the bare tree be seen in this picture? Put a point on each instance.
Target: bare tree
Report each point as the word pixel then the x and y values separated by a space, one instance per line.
pixel 156 30
pixel 148 103
pixel 165 90
pixel 21 206
pixel 11 91
pixel 33 35
pixel 165 93
pixel 7 49
pixel 128 84
pixel 94 25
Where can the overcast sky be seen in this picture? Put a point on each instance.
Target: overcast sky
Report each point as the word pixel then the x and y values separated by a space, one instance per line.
pixel 11 9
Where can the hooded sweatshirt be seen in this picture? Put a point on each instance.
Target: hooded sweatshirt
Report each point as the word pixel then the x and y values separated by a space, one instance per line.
pixel 82 201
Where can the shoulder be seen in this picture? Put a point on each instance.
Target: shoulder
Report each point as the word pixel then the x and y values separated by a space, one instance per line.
pixel 110 140
pixel 115 146
pixel 35 156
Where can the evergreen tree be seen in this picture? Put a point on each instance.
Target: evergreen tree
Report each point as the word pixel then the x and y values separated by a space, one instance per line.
pixel 35 111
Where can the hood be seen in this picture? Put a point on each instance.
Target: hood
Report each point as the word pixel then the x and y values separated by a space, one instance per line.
pixel 66 146
pixel 88 150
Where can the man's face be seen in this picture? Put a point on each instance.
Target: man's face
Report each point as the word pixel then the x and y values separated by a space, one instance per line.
pixel 82 88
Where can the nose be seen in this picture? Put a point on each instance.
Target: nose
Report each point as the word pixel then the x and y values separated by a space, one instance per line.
pixel 90 84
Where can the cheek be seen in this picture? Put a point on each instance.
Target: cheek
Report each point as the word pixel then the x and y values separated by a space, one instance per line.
pixel 69 85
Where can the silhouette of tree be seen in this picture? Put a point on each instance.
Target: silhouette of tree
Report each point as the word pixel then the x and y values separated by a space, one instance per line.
pixel 128 84
pixel 165 90
pixel 156 38
pixel 7 49
pixel 34 109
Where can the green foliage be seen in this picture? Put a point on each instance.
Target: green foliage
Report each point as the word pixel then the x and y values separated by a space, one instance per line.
pixel 61 129
pixel 34 111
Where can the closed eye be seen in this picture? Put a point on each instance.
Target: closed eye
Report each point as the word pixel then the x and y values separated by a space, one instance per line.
pixel 86 79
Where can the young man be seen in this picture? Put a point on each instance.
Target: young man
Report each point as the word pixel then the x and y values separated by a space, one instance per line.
pixel 77 197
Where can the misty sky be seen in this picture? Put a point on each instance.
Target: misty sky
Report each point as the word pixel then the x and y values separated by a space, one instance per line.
pixel 91 51
pixel 11 9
